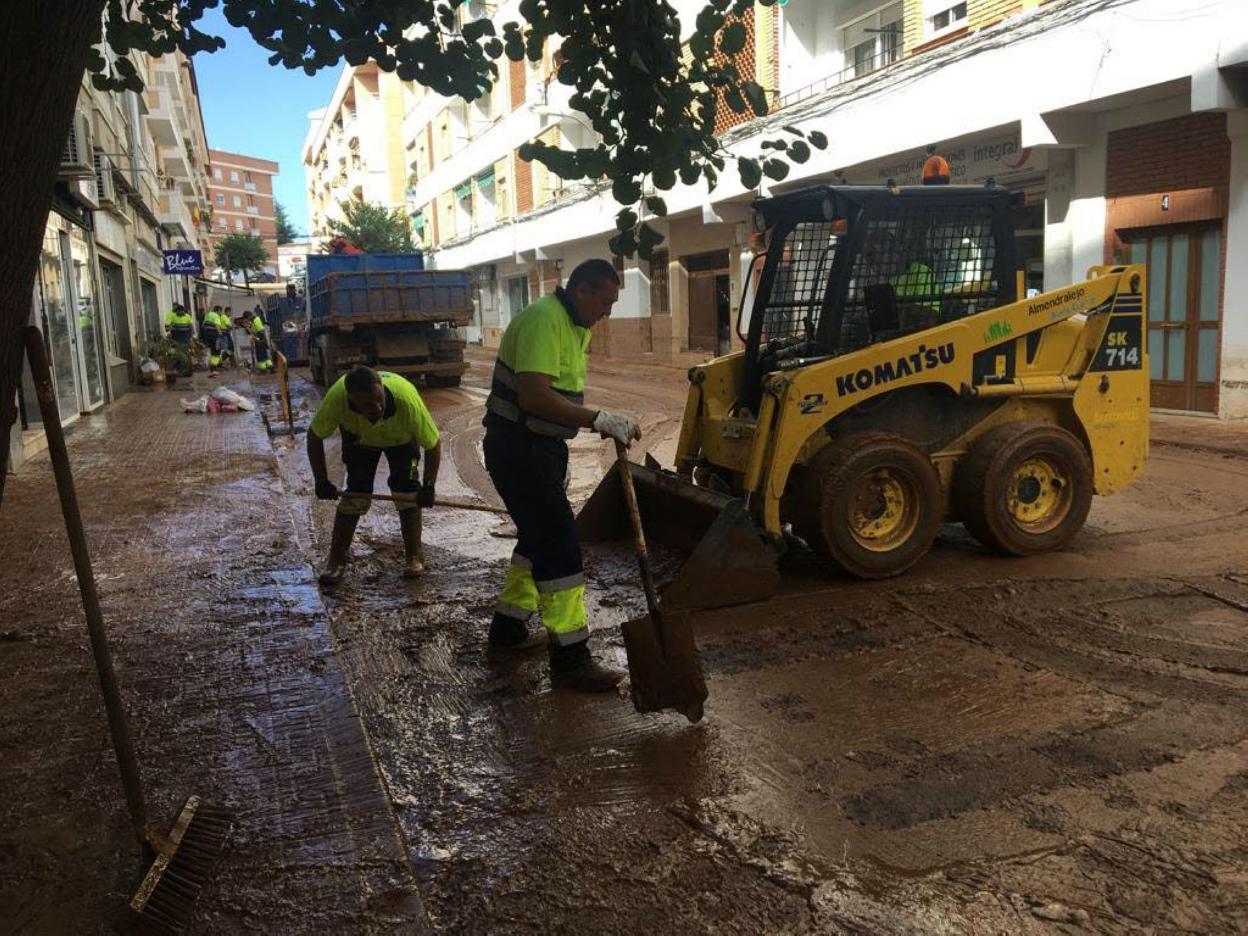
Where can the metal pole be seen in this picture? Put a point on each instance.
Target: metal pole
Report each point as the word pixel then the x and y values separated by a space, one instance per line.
pixel 117 724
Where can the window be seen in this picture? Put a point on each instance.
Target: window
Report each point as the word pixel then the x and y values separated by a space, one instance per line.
pixel 220 199
pixel 238 224
pixel 874 40
pixel 944 16
pixel 238 202
pixel 223 224
pixel 216 173
pixel 233 176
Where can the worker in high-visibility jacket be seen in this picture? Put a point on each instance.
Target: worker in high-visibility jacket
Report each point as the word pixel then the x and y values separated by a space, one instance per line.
pixel 180 325
pixel 260 342
pixel 534 408
pixel 211 330
pixel 379 413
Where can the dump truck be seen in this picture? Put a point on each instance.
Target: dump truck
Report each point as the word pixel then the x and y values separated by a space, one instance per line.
pixel 386 311
pixel 894 378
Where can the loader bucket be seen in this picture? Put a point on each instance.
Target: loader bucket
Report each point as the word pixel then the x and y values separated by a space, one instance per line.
pixel 728 562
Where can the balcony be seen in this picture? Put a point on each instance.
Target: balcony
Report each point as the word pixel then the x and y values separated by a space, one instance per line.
pixel 862 66
pixel 175 217
pixel 253 209
pixel 249 186
pixel 160 118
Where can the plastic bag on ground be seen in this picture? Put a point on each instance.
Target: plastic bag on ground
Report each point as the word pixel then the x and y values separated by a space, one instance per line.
pixel 199 405
pixel 226 395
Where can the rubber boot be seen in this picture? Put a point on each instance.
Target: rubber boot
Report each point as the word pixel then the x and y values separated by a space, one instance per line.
pixel 413 552
pixel 339 548
pixel 572 667
pixel 510 636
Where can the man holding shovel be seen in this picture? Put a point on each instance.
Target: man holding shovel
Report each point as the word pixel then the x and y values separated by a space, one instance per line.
pixel 534 407
pixel 378 413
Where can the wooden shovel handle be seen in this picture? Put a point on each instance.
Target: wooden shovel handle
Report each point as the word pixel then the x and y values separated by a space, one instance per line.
pixel 411 499
pixel 639 534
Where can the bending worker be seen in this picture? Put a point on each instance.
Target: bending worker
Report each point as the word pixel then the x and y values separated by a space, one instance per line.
pixel 533 409
pixel 180 325
pixel 378 412
pixel 210 331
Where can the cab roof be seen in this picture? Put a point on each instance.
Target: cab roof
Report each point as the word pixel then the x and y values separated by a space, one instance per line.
pixel 846 200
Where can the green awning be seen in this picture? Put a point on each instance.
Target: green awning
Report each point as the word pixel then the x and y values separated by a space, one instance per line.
pixel 418 221
pixel 464 190
pixel 486 178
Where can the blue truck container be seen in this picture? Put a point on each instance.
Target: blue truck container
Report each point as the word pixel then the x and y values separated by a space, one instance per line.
pixel 388 311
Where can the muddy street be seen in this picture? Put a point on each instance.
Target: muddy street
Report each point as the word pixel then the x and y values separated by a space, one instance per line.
pixel 985 745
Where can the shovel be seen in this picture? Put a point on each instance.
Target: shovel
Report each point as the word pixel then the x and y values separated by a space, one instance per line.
pixel 411 499
pixel 663 665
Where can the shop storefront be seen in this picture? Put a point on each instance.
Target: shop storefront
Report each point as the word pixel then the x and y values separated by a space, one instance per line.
pixel 68 312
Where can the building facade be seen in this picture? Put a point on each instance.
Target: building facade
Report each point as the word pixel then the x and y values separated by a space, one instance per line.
pixel 240 190
pixel 1123 123
pixel 131 183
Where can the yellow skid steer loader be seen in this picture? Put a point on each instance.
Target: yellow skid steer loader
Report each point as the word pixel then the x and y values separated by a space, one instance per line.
pixel 893 378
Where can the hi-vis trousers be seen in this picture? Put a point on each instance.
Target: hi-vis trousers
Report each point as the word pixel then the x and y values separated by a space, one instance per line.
pixel 545 573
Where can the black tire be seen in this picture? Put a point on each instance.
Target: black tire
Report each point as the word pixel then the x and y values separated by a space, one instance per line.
pixel 872 504
pixel 1024 488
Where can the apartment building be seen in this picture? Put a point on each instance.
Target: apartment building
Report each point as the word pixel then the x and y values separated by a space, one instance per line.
pixel 354 146
pixel 240 190
pixel 1123 122
pixel 131 183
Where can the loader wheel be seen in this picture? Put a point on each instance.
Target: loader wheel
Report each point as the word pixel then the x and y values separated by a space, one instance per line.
pixel 1024 489
pixel 879 505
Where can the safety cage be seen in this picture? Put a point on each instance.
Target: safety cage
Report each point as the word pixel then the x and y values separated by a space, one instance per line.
pixel 850 266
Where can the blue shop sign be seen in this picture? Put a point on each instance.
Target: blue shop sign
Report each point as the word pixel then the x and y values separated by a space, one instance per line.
pixel 178 262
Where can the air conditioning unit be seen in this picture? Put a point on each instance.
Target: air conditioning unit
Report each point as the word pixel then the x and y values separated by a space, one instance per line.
pixel 76 160
pixel 104 182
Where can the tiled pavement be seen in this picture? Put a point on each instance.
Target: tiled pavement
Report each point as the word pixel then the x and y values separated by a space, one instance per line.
pixel 229 674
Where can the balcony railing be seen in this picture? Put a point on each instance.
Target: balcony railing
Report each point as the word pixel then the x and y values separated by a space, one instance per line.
pixel 859 69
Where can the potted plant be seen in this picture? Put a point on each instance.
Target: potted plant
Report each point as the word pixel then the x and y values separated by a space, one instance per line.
pixel 171 356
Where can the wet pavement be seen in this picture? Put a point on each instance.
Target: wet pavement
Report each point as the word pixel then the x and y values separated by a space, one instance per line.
pixel 1055 744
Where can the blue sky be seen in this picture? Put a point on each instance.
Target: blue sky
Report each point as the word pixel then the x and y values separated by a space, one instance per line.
pixel 257 109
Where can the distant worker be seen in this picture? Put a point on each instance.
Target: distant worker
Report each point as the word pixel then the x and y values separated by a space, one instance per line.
pixel 534 407
pixel 211 332
pixel 378 412
pixel 180 325
pixel 260 341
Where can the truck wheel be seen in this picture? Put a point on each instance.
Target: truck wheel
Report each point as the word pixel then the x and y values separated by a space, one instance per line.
pixel 1024 488
pixel 878 502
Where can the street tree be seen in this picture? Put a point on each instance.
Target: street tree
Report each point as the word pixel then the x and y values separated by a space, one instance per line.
pixel 651 98
pixel 242 252
pixel 371 228
pixel 285 230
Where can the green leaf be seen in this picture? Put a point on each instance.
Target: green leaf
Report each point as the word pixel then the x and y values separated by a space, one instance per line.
pixel 477 29
pixel 732 39
pixel 757 97
pixel 799 152
pixel 817 139
pixel 776 169
pixel 664 179
pixel 734 100
pixel 750 172
pixel 626 220
pixel 656 205
pixel 625 191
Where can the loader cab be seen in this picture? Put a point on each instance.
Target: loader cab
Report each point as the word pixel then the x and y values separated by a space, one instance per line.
pixel 849 266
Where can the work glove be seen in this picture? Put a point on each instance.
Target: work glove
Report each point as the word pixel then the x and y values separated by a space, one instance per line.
pixel 620 428
pixel 425 497
pixel 326 490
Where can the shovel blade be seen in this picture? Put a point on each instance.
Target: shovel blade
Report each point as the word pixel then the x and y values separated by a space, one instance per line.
pixel 663 670
pixel 728 561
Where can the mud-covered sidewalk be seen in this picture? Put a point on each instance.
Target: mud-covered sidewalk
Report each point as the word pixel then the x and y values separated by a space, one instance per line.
pixel 229 673
pixel 1056 744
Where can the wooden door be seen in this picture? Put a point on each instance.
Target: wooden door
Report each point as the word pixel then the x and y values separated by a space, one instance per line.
pixel 1184 312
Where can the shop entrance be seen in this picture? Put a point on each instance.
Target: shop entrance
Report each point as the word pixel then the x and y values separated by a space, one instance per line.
pixel 710 305
pixel 1184 312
